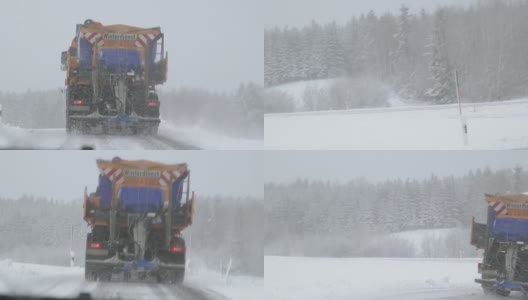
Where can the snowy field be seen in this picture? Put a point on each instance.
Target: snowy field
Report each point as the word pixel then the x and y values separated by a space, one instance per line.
pixel 296 89
pixel 496 125
pixel 42 280
pixel 418 237
pixel 292 278
pixel 169 137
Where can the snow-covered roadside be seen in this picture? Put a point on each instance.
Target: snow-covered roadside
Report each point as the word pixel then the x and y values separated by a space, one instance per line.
pixel 496 125
pixel 25 278
pixel 27 270
pixel 417 237
pixel 235 287
pixel 370 278
pixel 169 137
pixel 296 89
pixel 206 139
pixel 16 137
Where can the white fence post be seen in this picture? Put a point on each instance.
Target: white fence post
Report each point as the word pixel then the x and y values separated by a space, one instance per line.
pixel 228 270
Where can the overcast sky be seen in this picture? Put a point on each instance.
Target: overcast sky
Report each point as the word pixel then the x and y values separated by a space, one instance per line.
pixel 64 174
pixel 212 44
pixel 302 12
pixel 341 166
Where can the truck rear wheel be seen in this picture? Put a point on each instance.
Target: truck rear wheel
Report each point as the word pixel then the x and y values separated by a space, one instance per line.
pixel 127 276
pixel 178 277
pixel 153 130
pixel 89 275
pixel 68 126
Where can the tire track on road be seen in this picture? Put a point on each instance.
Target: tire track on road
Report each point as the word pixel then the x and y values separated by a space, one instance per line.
pixel 133 142
pixel 173 144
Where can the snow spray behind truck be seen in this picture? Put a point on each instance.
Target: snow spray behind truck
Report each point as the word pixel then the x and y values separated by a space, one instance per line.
pixel 111 74
pixel 136 218
pixel 504 239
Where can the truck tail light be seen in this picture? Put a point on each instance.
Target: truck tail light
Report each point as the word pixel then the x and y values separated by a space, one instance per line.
pixel 94 245
pixel 177 249
pixel 153 104
pixel 76 101
pixel 483 266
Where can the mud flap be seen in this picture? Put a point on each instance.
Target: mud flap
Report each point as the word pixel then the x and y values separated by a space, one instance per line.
pixel 140 266
pixel 505 285
pixel 479 234
pixel 120 123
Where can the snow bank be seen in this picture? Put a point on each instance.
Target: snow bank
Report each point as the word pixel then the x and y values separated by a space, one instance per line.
pixel 206 139
pixel 15 137
pixel 27 270
pixel 24 279
pixel 369 278
pixel 496 125
pixel 418 237
pixel 235 287
pixel 296 89
pixel 25 138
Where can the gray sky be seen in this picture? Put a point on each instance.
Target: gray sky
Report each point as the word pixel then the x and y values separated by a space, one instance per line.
pixel 212 44
pixel 341 166
pixel 64 174
pixel 302 12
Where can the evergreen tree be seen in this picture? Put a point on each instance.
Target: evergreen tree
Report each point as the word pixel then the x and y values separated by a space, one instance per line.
pixel 270 63
pixel 403 64
pixel 317 60
pixel 305 57
pixel 367 44
pixel 334 59
pixel 359 210
pixel 443 90
pixel 295 64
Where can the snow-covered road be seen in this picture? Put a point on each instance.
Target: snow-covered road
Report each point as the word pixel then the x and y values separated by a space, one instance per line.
pixel 71 286
pixel 169 137
pixel 58 139
pixel 64 282
pixel 305 278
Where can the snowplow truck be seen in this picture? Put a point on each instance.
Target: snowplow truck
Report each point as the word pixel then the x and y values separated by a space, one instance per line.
pixel 136 217
pixel 111 75
pixel 504 239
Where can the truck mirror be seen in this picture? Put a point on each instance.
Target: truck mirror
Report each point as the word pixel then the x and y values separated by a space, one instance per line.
pixel 64 56
pixel 166 67
pixel 479 234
